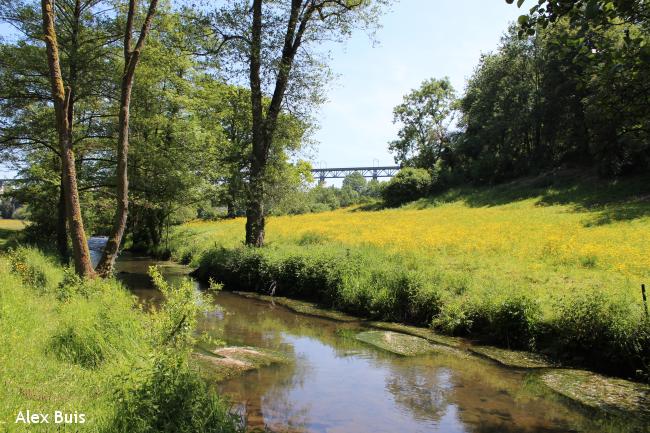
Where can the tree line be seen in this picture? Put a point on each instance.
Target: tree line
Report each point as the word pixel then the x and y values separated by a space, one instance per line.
pixel 568 86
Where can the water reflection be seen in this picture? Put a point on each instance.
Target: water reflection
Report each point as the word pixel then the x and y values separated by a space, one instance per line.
pixel 336 384
pixel 340 385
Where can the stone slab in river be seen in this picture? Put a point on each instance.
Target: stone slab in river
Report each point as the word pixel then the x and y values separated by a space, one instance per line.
pixel 400 344
pixel 615 396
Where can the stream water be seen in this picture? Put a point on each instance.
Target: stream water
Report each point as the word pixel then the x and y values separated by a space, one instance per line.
pixel 336 384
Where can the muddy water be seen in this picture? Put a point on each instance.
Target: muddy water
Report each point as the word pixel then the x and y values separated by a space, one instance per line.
pixel 336 384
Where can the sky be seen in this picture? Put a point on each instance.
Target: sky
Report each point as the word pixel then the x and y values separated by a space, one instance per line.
pixel 420 39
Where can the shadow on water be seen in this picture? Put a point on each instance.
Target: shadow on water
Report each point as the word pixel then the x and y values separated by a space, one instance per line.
pixel 336 384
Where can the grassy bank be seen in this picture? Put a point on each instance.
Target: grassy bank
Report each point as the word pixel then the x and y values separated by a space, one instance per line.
pixel 552 266
pixel 83 347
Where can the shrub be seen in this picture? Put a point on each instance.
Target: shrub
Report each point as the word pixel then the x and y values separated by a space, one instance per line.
pixel 595 330
pixel 403 296
pixel 513 322
pixel 165 394
pixel 409 184
pixel 510 321
pixel 170 397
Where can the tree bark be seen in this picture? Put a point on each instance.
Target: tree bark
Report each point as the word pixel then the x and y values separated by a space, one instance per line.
pixel 62 228
pixel 81 253
pixel 131 59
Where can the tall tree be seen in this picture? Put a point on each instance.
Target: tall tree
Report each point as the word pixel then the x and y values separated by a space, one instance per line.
pixel 131 58
pixel 277 42
pixel 425 115
pixel 27 125
pixel 63 110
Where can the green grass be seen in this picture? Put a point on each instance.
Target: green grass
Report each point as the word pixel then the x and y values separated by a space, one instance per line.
pixel 83 346
pixel 548 264
pixel 9 228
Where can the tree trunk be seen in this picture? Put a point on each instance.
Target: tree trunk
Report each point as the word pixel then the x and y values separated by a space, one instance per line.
pixel 61 228
pixel 81 253
pixel 255 207
pixel 105 266
pixel 255 220
pixel 131 59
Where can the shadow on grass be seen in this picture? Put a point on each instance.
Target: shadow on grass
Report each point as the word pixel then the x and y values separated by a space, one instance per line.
pixel 7 235
pixel 370 207
pixel 622 199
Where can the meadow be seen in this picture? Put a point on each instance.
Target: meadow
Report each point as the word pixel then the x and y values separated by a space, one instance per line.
pixel 546 265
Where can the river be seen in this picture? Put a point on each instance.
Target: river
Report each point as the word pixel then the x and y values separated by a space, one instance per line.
pixel 337 384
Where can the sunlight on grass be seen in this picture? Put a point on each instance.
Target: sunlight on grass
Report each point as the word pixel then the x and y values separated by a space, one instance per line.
pixel 522 243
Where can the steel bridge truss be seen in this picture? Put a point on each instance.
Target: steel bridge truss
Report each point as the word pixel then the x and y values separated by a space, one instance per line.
pixel 340 173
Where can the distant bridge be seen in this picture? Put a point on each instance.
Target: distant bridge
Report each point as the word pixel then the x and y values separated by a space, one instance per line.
pixel 340 173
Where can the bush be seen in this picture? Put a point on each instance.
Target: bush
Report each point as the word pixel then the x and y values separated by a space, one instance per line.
pixel 510 321
pixel 170 397
pixel 165 394
pixel 599 332
pixel 403 296
pixel 513 322
pixel 409 184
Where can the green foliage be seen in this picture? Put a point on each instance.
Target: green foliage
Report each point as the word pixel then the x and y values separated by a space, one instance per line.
pixel 96 323
pixel 176 320
pixel 166 394
pixel 600 331
pixel 544 99
pixel 409 184
pixel 94 349
pixel 425 116
pixel 170 397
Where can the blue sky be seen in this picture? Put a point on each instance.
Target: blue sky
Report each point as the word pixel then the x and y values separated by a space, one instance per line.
pixel 420 39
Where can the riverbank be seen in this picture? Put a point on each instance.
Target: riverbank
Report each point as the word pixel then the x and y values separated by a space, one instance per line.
pixel 553 268
pixel 85 348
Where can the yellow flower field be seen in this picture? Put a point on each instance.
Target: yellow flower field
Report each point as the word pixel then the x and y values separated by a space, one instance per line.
pixel 521 243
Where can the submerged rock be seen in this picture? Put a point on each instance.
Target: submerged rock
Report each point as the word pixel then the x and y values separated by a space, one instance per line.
pixel 425 333
pixel 400 344
pixel 302 307
pixel 614 396
pixel 512 358
pixel 227 362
